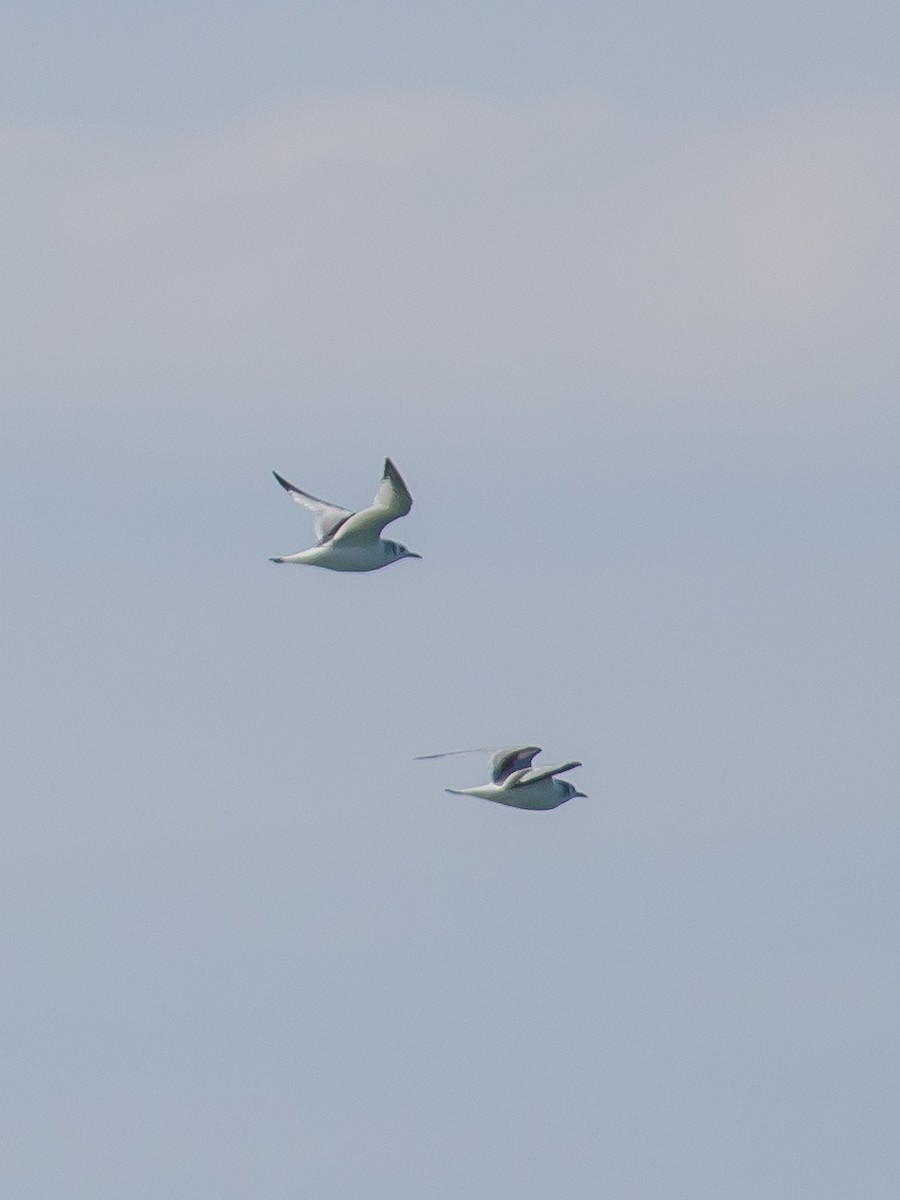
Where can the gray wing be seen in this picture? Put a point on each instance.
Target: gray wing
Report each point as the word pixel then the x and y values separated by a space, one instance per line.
pixel 392 494
pixel 527 777
pixel 450 753
pixel 328 517
pixel 513 758
pixel 392 500
pixel 504 763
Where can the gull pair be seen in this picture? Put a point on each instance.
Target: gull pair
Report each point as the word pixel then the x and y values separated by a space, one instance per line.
pixel 352 541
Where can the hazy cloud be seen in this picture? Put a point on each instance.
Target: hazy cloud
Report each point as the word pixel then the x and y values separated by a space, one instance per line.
pixel 459 247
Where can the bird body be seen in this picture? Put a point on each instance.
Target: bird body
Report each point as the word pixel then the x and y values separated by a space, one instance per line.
pixel 337 557
pixel 538 795
pixel 352 541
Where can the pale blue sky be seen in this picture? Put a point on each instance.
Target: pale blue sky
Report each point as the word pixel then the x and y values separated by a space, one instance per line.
pixel 173 62
pixel 616 288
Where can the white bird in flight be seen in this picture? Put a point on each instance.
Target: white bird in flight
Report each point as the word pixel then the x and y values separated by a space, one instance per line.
pixel 352 541
pixel 516 783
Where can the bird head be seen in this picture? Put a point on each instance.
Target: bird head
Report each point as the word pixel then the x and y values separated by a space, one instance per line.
pixel 400 551
pixel 571 791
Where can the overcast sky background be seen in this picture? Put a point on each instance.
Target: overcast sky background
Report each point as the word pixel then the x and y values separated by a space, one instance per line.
pixel 615 286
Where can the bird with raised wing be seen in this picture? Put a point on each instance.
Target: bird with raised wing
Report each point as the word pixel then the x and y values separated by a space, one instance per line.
pixel 516 783
pixel 352 541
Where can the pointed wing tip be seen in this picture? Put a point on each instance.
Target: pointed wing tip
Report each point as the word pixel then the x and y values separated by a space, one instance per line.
pixel 393 495
pixel 566 766
pixel 390 472
pixel 451 753
pixel 288 487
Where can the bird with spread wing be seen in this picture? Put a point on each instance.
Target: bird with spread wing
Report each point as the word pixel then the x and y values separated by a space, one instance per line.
pixel 352 541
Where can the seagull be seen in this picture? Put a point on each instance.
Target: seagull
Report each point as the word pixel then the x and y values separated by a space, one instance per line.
pixel 516 783
pixel 352 541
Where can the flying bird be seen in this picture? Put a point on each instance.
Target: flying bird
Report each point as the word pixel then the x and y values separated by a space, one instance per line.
pixel 352 541
pixel 516 783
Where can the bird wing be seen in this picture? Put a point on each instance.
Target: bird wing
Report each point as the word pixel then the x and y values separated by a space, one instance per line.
pixel 392 500
pixel 450 753
pixel 503 763
pixel 328 517
pixel 527 777
pixel 513 758
pixel 514 779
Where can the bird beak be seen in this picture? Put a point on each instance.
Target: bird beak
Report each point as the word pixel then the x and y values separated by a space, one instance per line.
pixel 583 795
pixel 410 554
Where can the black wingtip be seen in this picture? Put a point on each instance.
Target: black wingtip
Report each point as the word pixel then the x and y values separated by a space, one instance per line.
pixel 288 487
